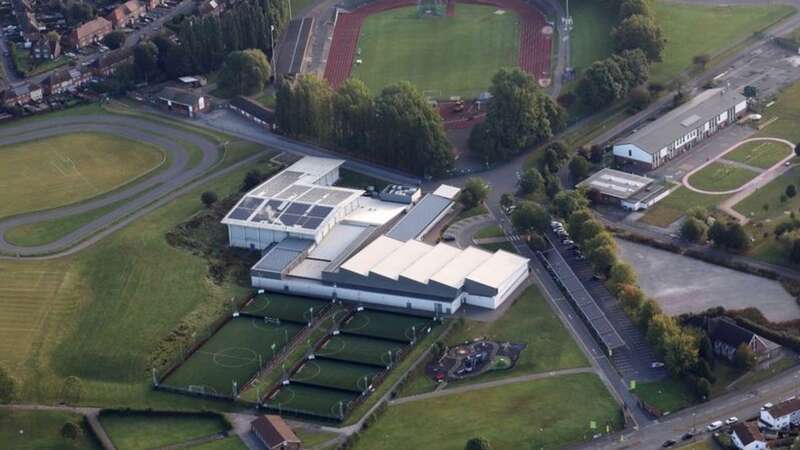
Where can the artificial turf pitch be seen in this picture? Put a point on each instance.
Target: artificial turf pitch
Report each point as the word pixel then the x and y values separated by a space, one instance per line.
pixel 443 56
pixel 336 375
pixel 362 350
pixel 305 399
pixel 384 325
pixel 284 307
pixel 232 355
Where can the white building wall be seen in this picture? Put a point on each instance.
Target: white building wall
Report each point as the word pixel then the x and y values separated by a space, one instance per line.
pixel 740 107
pixel 503 293
pixel 632 152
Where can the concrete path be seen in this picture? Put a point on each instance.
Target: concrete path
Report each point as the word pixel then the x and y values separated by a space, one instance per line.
pixel 491 384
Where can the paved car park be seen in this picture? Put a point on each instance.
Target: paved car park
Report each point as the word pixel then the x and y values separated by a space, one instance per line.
pixel 681 284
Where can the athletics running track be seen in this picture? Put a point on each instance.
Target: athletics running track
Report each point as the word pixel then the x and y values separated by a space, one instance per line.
pixel 534 44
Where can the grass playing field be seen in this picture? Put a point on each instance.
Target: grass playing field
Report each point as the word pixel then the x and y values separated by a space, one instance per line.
pixel 384 325
pixel 761 154
pixel 359 349
pixel 720 177
pixel 444 56
pixel 285 307
pixel 547 413
pixel 40 430
pixel 232 355
pixel 311 400
pixel 770 195
pixel 342 375
pixel 56 171
pixel 589 39
pixel 230 443
pixel 145 431
pixel 101 314
pixel 672 208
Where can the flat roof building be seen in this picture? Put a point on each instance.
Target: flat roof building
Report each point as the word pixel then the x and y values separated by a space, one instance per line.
pixel 632 192
pixel 331 242
pixel 680 129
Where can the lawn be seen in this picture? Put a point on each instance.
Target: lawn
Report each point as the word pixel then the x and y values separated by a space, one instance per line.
pixel 491 231
pixel 672 208
pixel 590 38
pixel 787 111
pixel 312 438
pixel 102 313
pixel 56 171
pixel 667 395
pixel 720 177
pixel 442 56
pixel 231 443
pixel 770 195
pixel 529 415
pixel 495 246
pixel 699 29
pixel 40 430
pixel 762 154
pixel 146 431
pixel 530 320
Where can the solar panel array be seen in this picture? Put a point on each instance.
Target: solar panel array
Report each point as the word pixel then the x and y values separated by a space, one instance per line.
pixel 246 208
pixel 291 214
pixel 577 294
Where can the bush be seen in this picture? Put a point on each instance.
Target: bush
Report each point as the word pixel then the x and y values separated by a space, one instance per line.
pixel 208 198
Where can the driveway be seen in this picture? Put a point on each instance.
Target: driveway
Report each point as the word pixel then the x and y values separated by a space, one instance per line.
pixel 681 284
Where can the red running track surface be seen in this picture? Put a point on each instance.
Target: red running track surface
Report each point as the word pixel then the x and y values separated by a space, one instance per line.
pixel 534 45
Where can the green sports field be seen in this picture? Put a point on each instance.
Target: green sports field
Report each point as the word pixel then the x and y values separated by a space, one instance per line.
pixel 359 349
pixel 147 431
pixel 384 325
pixel 720 177
pixel 232 354
pixel 285 307
pixel 761 154
pixel 332 374
pixel 41 430
pixel 56 171
pixel 443 56
pixel 311 400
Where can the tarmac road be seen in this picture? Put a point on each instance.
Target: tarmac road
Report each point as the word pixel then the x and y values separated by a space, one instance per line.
pixel 145 192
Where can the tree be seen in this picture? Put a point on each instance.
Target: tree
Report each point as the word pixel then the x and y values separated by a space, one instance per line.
pixel 567 202
pixel 791 191
pixel 744 357
pixel 409 133
pixel 8 386
pixel 506 200
pixel 251 179
pixel 693 230
pixel 304 108
pixel 115 39
pixel 208 198
pixel 602 259
pixel 703 388
pixel 634 67
pixel 245 72
pixel 537 242
pixel 628 8
pixel 701 60
pixel 520 115
pixel 794 254
pixel 578 167
pixel 795 444
pixel 638 31
pixel 478 443
pixel 530 181
pixel 736 238
pixel 622 274
pixel 639 98
pixel 705 349
pixel 72 390
pixel 474 192
pixel 797 149
pixel 648 310
pixel 353 113
pixel 602 84
pixel 717 233
pixel 145 59
pixel 80 12
pixel 631 298
pixel 70 431
pixel 530 217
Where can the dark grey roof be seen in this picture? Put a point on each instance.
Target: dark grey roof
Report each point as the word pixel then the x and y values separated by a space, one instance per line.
pixel 282 255
pixel 683 119
pixel 179 96
pixel 253 108
pixel 419 217
pixel 726 330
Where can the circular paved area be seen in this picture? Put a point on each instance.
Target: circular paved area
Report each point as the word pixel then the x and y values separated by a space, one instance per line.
pixel 170 139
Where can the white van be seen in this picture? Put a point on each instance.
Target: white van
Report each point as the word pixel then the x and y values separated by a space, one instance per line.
pixel 714 426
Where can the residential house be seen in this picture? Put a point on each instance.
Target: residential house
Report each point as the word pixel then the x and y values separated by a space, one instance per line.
pixel 680 129
pixel 153 4
pixel 26 19
pixel 747 436
pixel 275 434
pixel 181 101
pixel 45 48
pixel 22 95
pixel 781 416
pixel 61 81
pixel 252 111
pixel 107 63
pixel 90 32
pixel 726 336
pixel 126 14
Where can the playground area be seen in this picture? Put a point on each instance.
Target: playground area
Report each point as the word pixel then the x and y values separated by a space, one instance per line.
pixel 346 366
pixel 473 358
pixel 453 49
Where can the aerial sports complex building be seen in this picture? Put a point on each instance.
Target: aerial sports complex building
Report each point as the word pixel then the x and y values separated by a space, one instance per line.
pixel 331 242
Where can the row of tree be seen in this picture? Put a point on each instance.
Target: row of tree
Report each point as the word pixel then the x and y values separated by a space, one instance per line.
pixel 398 127
pixel 520 115
pixel 730 236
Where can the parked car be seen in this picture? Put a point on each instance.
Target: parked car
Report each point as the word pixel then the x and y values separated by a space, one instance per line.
pixel 668 443
pixel 714 426
pixel 766 406
pixel 568 242
pixel 657 365
pixel 556 224
pixel 731 420
pixel 686 436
